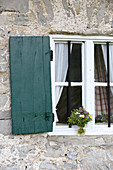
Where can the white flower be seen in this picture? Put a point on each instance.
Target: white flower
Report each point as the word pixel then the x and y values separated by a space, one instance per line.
pixel 77 113
pixel 81 116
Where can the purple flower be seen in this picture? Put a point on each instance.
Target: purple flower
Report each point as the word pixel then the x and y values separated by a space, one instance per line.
pixel 85 112
pixel 99 116
pixel 80 110
pixel 87 115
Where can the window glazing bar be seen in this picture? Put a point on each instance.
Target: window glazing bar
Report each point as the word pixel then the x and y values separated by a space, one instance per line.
pixel 108 84
pixel 69 82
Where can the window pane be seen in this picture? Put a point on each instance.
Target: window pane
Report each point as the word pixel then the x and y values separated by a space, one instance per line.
pixel 76 63
pixel 101 104
pixel 111 103
pixel 76 97
pixel 100 65
pixel 76 101
pixel 61 62
pixel 111 61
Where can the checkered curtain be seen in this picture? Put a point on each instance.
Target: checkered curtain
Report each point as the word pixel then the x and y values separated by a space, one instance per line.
pixel 101 76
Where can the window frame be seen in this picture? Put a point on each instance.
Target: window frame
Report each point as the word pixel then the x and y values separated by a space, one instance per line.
pixel 88 77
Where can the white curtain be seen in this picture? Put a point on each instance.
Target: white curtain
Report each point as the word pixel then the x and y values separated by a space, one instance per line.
pixel 61 67
pixel 104 49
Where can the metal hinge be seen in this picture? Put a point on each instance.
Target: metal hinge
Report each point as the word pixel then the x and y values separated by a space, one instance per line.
pixel 53 117
pixel 51 55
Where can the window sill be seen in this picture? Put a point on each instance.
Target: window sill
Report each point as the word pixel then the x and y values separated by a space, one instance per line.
pixel 90 130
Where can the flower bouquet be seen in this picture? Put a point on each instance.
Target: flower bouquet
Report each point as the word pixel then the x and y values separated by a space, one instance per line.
pixel 79 117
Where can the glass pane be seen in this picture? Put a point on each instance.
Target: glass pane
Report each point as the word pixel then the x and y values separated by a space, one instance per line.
pixel 100 63
pixel 76 97
pixel 111 61
pixel 76 63
pixel 111 103
pixel 76 101
pixel 61 62
pixel 101 104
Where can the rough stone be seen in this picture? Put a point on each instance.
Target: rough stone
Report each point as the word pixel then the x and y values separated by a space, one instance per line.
pixel 78 17
pixel 90 12
pixel 4 78
pixel 49 10
pixel 41 17
pixel 6 19
pixel 14 5
pixel 5 115
pixel 3 67
pixel 86 150
pixel 112 24
pixel 72 155
pixel 78 142
pixel 69 10
pixel 2 59
pixel 66 7
pixel 26 152
pixel 12 167
pixel 48 166
pixel 5 127
pixel 53 151
pixel 4 88
pixel 70 166
pixel 108 140
pixel 110 155
pixel 21 19
pixel 96 158
pixel 106 20
pixel 100 13
pixel 3 99
pixel 109 4
pixel 23 151
pixel 77 6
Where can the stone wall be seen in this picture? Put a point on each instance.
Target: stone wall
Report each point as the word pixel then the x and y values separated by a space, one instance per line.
pixel 42 152
pixel 44 17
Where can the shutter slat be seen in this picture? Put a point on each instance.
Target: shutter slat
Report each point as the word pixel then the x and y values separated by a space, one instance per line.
pixel 30 85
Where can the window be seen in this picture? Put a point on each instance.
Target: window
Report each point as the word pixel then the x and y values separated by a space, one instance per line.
pixel 103 82
pixel 88 80
pixel 85 84
pixel 68 79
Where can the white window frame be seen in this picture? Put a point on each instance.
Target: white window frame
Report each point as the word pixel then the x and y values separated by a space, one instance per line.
pixel 88 94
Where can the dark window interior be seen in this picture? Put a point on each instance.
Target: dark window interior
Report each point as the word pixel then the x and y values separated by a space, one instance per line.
pixel 76 92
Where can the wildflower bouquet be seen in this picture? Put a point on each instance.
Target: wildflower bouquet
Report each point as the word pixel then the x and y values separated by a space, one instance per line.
pixel 79 117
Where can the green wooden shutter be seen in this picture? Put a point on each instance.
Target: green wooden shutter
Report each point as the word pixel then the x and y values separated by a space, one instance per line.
pixel 31 101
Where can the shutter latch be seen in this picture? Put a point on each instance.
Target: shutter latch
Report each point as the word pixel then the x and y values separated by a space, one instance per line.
pixel 48 115
pixel 51 55
pixel 53 117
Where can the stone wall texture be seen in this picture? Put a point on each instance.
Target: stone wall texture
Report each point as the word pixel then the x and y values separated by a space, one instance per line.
pixel 42 152
pixel 45 17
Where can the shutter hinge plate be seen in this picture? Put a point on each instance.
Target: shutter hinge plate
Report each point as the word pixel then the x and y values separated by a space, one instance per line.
pixel 51 55
pixel 53 117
